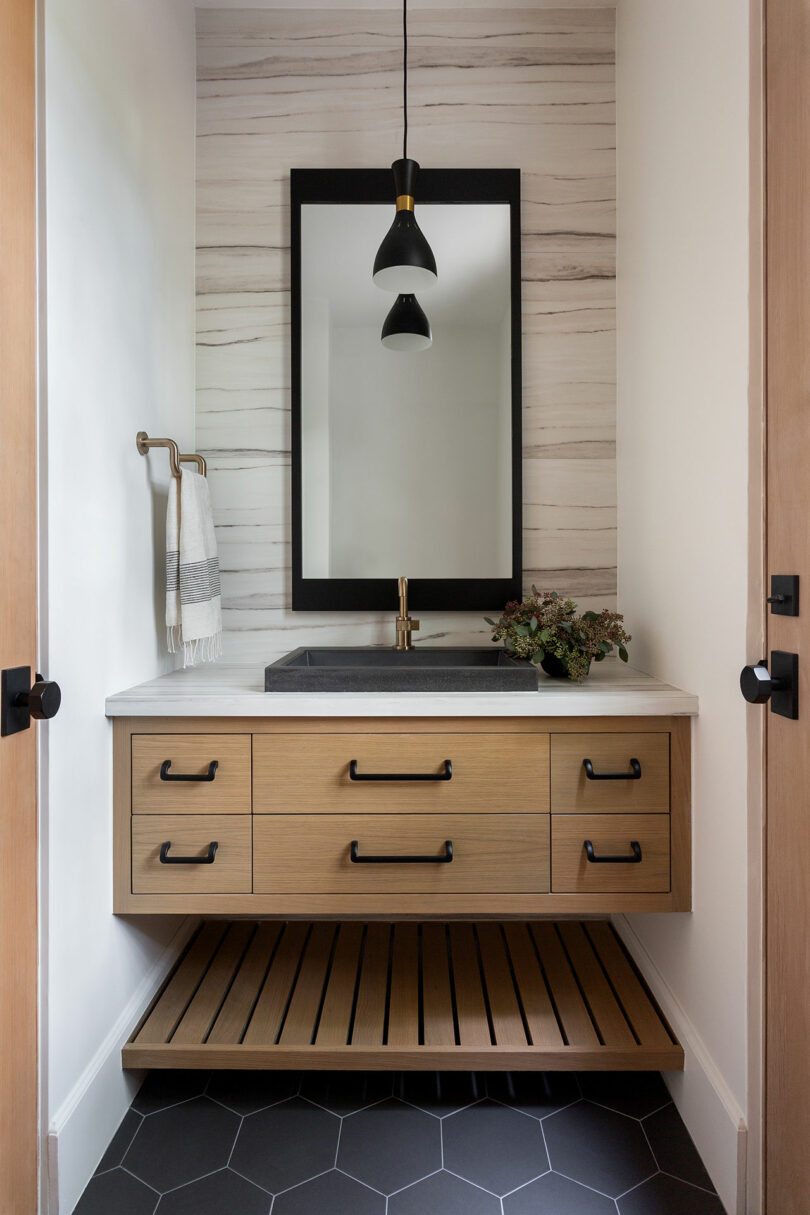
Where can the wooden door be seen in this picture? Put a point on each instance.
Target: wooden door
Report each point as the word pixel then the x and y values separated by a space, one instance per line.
pixel 787 852
pixel 18 608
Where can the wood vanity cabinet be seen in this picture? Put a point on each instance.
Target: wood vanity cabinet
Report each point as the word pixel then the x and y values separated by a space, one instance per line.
pixel 396 818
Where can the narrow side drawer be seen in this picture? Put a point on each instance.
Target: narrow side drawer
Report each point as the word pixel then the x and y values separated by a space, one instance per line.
pixel 191 755
pixel 610 835
pixel 191 835
pixel 611 756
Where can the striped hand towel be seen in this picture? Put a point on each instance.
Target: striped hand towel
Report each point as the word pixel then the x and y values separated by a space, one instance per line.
pixel 193 605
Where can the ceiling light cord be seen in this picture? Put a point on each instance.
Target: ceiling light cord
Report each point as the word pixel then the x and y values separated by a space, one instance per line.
pixel 405 78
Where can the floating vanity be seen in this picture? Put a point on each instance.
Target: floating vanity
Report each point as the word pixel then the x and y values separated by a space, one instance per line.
pixel 405 850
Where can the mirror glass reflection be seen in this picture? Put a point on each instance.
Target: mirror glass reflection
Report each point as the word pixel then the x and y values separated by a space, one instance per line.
pixel 406 455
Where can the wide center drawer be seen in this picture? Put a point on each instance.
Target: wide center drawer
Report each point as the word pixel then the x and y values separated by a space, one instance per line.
pixel 300 853
pixel 206 774
pixel 327 773
pixel 610 773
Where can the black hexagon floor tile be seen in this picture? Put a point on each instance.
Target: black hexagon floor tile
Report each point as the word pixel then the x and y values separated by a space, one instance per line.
pixel 116 1191
pixel 663 1195
pixel 247 1092
pixel 221 1192
pixel 119 1144
pixel 443 1194
pixel 390 1145
pixel 673 1148
pixel 332 1193
pixel 181 1143
pixel 163 1088
pixel 635 1093
pixel 552 1195
pixel 598 1147
pixel 536 1093
pixel 286 1144
pixel 440 1093
pixel 345 1092
pixel 494 1147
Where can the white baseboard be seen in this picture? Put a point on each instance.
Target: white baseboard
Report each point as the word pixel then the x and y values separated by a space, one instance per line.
pixel 82 1126
pixel 704 1100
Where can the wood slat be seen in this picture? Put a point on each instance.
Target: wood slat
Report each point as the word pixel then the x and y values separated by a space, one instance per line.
pixel 235 1012
pixel 201 1013
pixel 410 996
pixel 369 1019
pixel 335 1022
pixel 175 997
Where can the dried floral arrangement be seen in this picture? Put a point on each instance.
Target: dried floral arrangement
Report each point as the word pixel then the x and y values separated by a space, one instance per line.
pixel 546 629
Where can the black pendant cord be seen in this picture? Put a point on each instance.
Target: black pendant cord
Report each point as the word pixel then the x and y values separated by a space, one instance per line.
pixel 405 79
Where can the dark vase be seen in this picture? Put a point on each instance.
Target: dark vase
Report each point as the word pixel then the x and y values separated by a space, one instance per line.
pixel 555 667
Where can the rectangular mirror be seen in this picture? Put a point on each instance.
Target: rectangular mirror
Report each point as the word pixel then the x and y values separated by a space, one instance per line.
pixel 406 462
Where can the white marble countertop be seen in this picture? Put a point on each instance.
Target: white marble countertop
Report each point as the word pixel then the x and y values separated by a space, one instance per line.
pixel 229 690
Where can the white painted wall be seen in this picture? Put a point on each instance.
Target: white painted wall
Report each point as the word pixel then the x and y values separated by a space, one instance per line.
pixel 683 264
pixel 119 357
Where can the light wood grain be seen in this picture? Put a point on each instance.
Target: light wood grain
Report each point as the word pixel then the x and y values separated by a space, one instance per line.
pixel 642 1014
pixel 335 1021
pixel 241 999
pixel 199 1017
pixel 369 1017
pixel 495 772
pixel 611 835
pixel 19 862
pixel 190 835
pixel 191 754
pixel 572 791
pixel 300 1021
pixel 491 852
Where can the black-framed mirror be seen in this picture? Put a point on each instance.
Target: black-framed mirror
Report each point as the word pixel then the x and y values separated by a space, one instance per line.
pixel 406 462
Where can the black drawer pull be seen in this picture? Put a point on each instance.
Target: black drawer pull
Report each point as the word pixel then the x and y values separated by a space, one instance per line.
pixel 635 859
pixel 208 859
pixel 356 859
pixel 633 774
pixel 355 775
pixel 165 774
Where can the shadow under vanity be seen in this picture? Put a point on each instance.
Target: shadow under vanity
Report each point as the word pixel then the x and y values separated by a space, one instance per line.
pixel 381 869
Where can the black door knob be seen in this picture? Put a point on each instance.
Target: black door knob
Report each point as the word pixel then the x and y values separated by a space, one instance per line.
pixel 757 685
pixel 43 701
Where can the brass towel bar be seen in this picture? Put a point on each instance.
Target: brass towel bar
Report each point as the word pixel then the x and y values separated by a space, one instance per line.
pixel 176 457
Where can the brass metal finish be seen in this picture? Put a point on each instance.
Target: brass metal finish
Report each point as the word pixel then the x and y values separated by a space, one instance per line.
pixel 176 457
pixel 405 626
pixel 405 202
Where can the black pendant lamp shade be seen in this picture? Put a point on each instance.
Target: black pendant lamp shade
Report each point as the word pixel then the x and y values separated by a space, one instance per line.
pixel 406 327
pixel 404 261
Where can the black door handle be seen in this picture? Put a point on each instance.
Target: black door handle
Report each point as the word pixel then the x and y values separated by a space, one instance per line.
pixel 444 859
pixel 593 859
pixel 447 774
pixel 208 859
pixel 780 685
pixel 20 700
pixel 165 774
pixel 633 774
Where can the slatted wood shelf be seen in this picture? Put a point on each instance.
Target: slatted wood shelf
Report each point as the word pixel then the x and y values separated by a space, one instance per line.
pixel 517 996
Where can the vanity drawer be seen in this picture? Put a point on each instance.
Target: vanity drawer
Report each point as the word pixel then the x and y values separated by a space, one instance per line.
pixel 491 853
pixel 191 835
pixel 611 835
pixel 191 755
pixel 455 772
pixel 613 786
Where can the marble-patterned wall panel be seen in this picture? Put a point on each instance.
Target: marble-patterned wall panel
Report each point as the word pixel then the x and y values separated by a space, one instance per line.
pixel 489 87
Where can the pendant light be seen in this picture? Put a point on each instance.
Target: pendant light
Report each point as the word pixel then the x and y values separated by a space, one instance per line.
pixel 405 261
pixel 406 327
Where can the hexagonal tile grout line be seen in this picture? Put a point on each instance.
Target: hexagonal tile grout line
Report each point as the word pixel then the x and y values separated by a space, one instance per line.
pixel 593 1188
pixel 364 1184
pixel 700 1188
pixel 101 1172
pixel 130 1173
pixel 674 1176
pixel 250 1180
pixel 624 1193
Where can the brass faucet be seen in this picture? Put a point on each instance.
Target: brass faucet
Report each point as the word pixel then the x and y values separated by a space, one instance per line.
pixel 404 624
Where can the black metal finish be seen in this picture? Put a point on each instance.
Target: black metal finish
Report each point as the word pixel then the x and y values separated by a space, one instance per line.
pixel 165 774
pixel 208 859
pixel 20 700
pixel 342 186
pixel 593 859
pixel 406 316
pixel 784 596
pixel 633 774
pixel 444 859
pixel 780 685
pixel 447 774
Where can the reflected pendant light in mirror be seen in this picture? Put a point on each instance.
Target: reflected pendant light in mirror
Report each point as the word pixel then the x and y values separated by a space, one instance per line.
pixel 406 327
pixel 404 262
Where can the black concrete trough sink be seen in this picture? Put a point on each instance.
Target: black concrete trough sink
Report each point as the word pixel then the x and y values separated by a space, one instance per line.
pixel 379 669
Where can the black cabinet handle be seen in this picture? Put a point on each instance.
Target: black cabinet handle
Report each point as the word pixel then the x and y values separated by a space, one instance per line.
pixel 445 859
pixel 208 859
pixel 633 774
pixel 355 775
pixel 635 859
pixel 165 774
